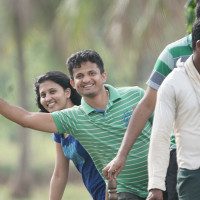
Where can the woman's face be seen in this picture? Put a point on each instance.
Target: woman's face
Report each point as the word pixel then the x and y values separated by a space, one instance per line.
pixel 53 97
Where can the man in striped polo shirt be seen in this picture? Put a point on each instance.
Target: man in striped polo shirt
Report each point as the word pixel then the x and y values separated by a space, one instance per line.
pixel 165 63
pixel 98 123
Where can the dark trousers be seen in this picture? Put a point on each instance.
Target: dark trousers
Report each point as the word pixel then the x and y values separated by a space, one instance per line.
pixel 171 178
pixel 171 182
pixel 189 184
pixel 129 196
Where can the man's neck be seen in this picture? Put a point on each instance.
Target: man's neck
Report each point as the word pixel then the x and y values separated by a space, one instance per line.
pixel 99 101
pixel 196 61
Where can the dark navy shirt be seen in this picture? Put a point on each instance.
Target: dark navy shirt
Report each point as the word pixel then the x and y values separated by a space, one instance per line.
pixel 91 178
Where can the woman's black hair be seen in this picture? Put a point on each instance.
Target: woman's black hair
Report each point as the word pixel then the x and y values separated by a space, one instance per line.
pixel 61 79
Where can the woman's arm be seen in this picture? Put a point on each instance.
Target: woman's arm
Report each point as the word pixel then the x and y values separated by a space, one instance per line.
pixel 60 174
pixel 34 120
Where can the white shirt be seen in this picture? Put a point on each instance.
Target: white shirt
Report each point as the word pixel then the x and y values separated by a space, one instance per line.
pixel 177 105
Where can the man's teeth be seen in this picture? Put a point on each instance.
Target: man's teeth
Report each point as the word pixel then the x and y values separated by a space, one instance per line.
pixel 87 85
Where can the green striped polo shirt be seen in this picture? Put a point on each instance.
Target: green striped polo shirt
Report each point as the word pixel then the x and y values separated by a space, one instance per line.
pixel 166 62
pixel 101 135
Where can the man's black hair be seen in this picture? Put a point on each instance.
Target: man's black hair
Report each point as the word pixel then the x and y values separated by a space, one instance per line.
pixel 195 33
pixel 198 9
pixel 76 59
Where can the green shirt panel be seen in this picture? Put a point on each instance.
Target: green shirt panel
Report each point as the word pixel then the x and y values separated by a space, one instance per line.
pixel 101 135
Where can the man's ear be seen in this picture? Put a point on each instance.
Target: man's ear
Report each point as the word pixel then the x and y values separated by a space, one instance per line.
pixel 104 76
pixel 72 83
pixel 198 46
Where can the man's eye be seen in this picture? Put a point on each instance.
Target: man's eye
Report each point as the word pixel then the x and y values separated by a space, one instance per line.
pixel 52 91
pixel 92 73
pixel 79 76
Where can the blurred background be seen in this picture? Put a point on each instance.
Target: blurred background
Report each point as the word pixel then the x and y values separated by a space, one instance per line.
pixel 38 36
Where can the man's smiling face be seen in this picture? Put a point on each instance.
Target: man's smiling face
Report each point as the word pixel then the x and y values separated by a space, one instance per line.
pixel 87 79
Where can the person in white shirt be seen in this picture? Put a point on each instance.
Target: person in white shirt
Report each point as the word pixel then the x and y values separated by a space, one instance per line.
pixel 178 105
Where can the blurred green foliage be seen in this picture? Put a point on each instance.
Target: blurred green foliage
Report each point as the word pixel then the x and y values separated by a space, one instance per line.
pixel 190 8
pixel 129 35
pixel 73 192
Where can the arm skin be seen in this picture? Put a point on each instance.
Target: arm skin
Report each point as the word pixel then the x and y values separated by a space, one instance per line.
pixel 60 174
pixel 155 194
pixel 34 120
pixel 137 122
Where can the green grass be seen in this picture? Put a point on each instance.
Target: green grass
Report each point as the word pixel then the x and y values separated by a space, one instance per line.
pixel 42 157
pixel 72 192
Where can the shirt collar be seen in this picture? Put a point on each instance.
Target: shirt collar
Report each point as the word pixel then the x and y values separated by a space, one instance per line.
pixel 113 95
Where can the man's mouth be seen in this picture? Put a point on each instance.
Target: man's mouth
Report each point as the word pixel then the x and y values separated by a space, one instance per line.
pixel 87 86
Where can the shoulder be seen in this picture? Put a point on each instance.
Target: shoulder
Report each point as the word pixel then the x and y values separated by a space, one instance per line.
pixel 69 110
pixel 174 87
pixel 179 43
pixel 175 79
pixel 172 52
pixel 134 90
pixel 175 75
pixel 129 89
pixel 128 93
pixel 178 48
pixel 69 114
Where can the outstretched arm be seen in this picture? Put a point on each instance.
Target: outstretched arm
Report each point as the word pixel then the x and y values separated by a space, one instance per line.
pixel 34 120
pixel 137 122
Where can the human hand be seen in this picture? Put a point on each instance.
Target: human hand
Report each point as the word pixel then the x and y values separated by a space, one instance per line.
pixel 113 168
pixel 155 194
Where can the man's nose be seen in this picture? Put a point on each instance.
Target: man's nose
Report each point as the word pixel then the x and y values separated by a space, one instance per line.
pixel 86 79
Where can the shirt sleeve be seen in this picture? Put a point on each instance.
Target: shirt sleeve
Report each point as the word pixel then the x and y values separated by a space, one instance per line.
pixel 162 67
pixel 158 158
pixel 61 120
pixel 56 137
